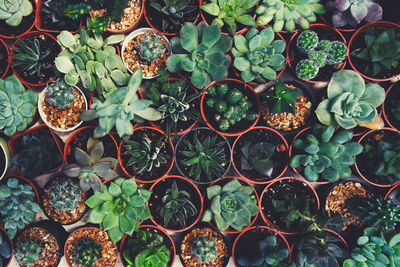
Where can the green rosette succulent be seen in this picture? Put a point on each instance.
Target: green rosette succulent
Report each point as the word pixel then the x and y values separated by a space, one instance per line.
pixel 13 11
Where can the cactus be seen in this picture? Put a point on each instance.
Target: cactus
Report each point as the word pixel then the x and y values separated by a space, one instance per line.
pixel 86 252
pixel 12 11
pixel 319 58
pixel 65 195
pixel 205 249
pixel 306 69
pixel 27 252
pixel 307 40
pixel 60 94
pixel 150 48
pixel 336 52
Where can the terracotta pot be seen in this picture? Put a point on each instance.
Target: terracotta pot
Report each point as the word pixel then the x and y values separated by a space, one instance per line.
pixel 133 26
pixel 385 107
pixel 394 191
pixel 2 43
pixel 34 5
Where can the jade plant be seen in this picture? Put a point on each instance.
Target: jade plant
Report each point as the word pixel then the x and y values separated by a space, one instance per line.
pixel 91 165
pixel 350 101
pixel 17 106
pixel 126 207
pixel 17 205
pixel 287 13
pixel 353 12
pixel 381 51
pixel 27 251
pixel 230 13
pixel 324 154
pixel 230 106
pixel 65 195
pixel 204 249
pixel 120 108
pixel 13 11
pixel 146 249
pixel 257 55
pixel 257 156
pixel 232 205
pixel 5 249
pixel 200 50
pixel 281 99
pixel 86 252
pixel 60 94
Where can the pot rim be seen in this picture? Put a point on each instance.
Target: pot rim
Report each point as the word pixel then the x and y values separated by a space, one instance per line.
pixel 34 5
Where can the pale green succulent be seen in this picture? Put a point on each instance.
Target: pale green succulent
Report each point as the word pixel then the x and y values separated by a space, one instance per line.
pixel 12 11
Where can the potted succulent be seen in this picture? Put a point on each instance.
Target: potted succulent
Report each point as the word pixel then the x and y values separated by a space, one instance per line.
pixel 18 17
pixel 260 245
pixel 4 58
pixel 374 51
pixel 90 246
pixel 203 49
pixel 202 155
pixel 60 106
pixel 148 247
pixel 288 204
pixel 230 107
pixel 176 204
pixel 146 155
pixel 390 108
pixel 168 16
pixel 378 164
pixel 147 49
pixel 204 246
pixel 260 155
pixel 393 194
pixel 32 58
pixel 6 248
pixel 5 158
pixel 231 16
pixel 314 55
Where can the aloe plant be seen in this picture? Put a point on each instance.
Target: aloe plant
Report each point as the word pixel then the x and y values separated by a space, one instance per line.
pixel 353 12
pixel 281 98
pixel 13 11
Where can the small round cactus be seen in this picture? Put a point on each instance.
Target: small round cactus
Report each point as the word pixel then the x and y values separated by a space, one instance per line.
pixel 86 252
pixel 150 48
pixel 306 70
pixel 27 251
pixel 336 53
pixel 319 58
pixel 65 195
pixel 307 40
pixel 205 249
pixel 60 94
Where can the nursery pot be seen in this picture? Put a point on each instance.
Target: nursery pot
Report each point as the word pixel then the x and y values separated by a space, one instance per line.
pixel 276 138
pixel 160 187
pixel 5 158
pixel 380 25
pixel 18 31
pixel 391 95
pixel 155 229
pixel 394 194
pixel 3 46
pixel 208 113
pixel 7 238
pixel 291 52
pixel 133 26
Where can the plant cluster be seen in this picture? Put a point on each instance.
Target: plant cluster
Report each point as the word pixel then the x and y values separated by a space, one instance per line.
pixel 230 105
pixel 5 249
pixel 27 251
pixel 320 53
pixel 232 205
pixel 328 155
pixel 281 99
pixel 353 12
pixel 204 249
pixel 65 195
pixel 119 208
pixel 86 252
pixel 13 11
pixel 258 56
pixel 257 156
pixel 17 205
pixel 60 94
pixel 17 106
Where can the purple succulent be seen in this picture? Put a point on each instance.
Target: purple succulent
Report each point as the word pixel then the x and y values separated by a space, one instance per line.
pixel 354 11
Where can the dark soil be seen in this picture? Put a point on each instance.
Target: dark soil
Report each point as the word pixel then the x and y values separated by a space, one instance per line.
pixel 155 202
pixel 155 172
pixel 46 23
pixel 3 59
pixel 392 101
pixel 25 24
pixel 279 158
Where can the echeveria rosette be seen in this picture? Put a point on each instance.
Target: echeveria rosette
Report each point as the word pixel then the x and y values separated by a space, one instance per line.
pixel 201 50
pixel 258 56
pixel 354 11
pixel 350 101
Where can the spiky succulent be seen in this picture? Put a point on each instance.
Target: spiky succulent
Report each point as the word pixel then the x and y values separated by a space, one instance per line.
pixel 306 69
pixel 65 194
pixel 257 55
pixel 204 249
pixel 354 11
pixel 60 94
pixel 145 155
pixel 281 98
pixel 13 11
pixel 232 205
pixel 307 41
pixel 201 50
pixel 350 101
pixel 288 13
pixel 91 165
pixel 17 205
pixel 257 156
pixel 177 207
pixel 17 106
pixel 150 48
pixel 27 251
pixel 86 252
pixel 5 249
pixel 328 156
pixel 336 51
pixel 75 11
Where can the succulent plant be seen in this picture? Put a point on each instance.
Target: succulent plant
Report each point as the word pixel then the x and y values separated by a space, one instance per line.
pixel 17 205
pixel 54 12
pixel 353 12
pixel 230 13
pixel 307 41
pixel 86 252
pixel 146 249
pixel 126 208
pixel 150 48
pixel 288 13
pixel 281 99
pixel 120 108
pixel 177 207
pixel 5 249
pixel 17 106
pixel 39 155
pixel 201 50
pixel 13 11
pixel 91 165
pixel 257 156
pixel 232 205
pixel 75 11
pixel 328 156
pixel 205 157
pixel 204 249
pixel 146 155
pixel 381 50
pixel 65 194
pixel 60 94
pixel 350 101
pixel 318 57
pixel 230 105
pixel 266 253
pixel 257 55
pixel 27 251
pixel 306 69
pixel 336 51
pixel 92 61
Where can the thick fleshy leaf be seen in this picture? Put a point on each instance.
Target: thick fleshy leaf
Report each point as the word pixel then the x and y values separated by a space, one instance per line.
pixel 189 37
pixel 374 94
pixel 323 113
pixel 358 12
pixel 375 12
pixel 342 5
pixel 346 81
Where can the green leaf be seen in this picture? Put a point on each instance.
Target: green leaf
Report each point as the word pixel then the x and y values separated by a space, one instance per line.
pixel 64 64
pixel 189 37
pixel 110 220
pixel 211 8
